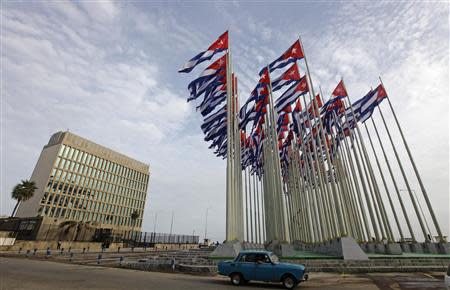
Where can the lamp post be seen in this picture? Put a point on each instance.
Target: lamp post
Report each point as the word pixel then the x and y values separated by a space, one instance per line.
pixel 206 221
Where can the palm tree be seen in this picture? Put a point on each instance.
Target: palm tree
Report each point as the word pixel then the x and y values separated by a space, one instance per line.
pixel 134 216
pixel 22 192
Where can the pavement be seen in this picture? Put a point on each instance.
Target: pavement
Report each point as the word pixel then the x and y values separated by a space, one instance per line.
pixel 21 273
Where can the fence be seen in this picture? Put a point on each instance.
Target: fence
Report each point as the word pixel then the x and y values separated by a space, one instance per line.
pixel 162 238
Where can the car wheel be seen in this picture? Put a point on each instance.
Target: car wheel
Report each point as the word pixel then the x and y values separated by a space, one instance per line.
pixel 289 282
pixel 236 279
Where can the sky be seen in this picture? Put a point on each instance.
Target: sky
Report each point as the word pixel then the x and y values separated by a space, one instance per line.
pixel 107 71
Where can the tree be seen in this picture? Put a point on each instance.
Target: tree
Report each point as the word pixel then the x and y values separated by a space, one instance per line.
pixel 23 192
pixel 134 216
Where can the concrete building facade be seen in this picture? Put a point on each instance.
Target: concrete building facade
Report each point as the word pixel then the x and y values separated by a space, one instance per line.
pixel 81 182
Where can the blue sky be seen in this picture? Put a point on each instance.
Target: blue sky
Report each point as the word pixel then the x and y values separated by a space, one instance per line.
pixel 108 71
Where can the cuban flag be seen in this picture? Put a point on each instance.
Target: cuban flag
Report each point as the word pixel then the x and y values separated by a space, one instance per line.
pixel 372 101
pixel 338 94
pixel 212 74
pixel 289 76
pixel 298 89
pixel 353 117
pixel 207 126
pixel 293 53
pixel 258 93
pixel 206 85
pixel 219 45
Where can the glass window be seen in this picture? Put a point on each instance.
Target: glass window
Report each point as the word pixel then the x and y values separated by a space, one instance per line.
pixel 61 149
pixel 66 151
pixel 66 165
pixel 96 162
pixel 61 164
pixel 85 155
pixel 70 153
pixel 80 155
pixel 75 154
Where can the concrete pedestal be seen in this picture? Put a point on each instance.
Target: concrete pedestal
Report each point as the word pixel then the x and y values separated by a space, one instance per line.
pixel 406 247
pixel 393 249
pixel 379 248
pixel 370 247
pixel 443 248
pixel 416 248
pixel 430 248
pixel 227 249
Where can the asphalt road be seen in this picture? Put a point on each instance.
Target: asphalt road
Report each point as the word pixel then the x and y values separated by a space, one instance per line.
pixel 19 273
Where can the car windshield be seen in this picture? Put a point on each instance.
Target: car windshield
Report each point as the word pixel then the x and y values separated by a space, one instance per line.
pixel 274 259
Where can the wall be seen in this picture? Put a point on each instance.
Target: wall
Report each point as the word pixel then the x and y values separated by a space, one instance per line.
pixel 40 176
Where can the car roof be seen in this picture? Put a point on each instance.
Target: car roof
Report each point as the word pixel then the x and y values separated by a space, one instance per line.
pixel 262 251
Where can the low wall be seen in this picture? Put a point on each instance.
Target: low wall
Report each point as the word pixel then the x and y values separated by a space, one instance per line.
pixel 43 245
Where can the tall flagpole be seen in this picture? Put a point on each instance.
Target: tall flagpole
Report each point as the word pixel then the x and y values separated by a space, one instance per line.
pixel 361 175
pixel 422 226
pixel 385 184
pixel 422 187
pixel 341 225
pixel 402 205
pixel 229 186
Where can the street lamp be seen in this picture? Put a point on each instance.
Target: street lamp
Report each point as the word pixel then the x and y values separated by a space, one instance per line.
pixel 206 221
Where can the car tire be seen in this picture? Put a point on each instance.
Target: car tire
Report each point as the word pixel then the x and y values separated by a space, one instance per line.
pixel 289 282
pixel 236 279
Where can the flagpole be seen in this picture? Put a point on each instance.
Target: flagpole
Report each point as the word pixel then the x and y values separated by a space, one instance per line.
pixel 369 205
pixel 384 183
pixel 229 222
pixel 402 205
pixel 276 166
pixel 341 225
pixel 422 187
pixel 422 226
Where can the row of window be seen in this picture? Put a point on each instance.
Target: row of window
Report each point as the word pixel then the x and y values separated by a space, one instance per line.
pixel 75 167
pixel 99 163
pixel 73 214
pixel 80 192
pixel 66 179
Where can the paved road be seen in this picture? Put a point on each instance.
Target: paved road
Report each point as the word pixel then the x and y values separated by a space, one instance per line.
pixel 19 273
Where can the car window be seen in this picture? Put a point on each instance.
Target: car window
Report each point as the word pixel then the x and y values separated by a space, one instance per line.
pixel 274 259
pixel 262 258
pixel 249 258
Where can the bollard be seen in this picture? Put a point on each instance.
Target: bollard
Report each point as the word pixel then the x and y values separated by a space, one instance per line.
pixel 20 250
pixel 49 252
pixel 118 249
pixel 120 260
pixel 99 257
pixel 84 250
pixel 34 251
pixel 28 253
pixel 71 257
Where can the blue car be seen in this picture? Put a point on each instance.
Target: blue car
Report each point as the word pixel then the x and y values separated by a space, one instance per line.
pixel 262 266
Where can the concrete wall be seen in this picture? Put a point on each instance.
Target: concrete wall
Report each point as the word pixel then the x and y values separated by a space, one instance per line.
pixel 40 176
pixel 43 245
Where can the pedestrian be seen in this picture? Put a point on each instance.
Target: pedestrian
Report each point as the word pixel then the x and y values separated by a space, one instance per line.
pixel 58 246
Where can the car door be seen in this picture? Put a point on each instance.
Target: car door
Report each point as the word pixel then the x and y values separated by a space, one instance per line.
pixel 264 269
pixel 246 266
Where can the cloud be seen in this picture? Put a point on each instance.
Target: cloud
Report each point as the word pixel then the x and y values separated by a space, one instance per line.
pixel 107 71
